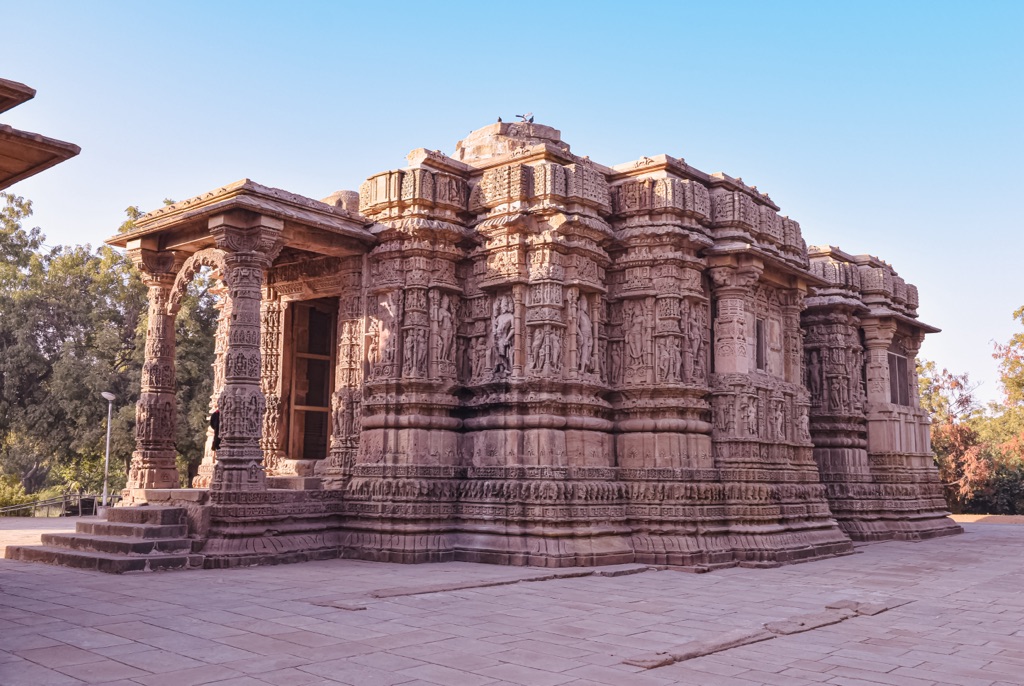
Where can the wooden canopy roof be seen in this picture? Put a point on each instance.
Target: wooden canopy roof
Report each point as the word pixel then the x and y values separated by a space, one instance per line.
pixel 22 153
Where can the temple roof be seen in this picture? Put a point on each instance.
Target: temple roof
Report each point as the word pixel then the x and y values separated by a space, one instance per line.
pixel 13 94
pixel 22 153
pixel 310 224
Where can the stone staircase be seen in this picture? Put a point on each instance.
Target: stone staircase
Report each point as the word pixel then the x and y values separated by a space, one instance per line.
pixel 130 539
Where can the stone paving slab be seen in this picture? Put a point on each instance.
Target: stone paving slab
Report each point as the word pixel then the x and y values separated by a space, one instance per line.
pixel 460 623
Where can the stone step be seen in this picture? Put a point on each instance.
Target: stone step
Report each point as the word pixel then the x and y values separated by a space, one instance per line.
pixel 117 545
pixel 101 528
pixel 147 514
pixel 103 562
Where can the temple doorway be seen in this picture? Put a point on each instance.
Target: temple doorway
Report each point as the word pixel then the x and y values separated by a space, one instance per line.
pixel 313 345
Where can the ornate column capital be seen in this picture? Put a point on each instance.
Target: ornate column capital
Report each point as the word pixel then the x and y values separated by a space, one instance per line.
pixel 247 233
pixel 734 278
pixel 878 333
pixel 155 263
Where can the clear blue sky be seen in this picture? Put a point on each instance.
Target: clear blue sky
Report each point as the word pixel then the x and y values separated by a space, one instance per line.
pixel 892 128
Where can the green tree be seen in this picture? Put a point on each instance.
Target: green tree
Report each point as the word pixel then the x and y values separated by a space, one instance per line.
pixel 72 324
pixel 1011 364
pixel 195 329
pixel 963 463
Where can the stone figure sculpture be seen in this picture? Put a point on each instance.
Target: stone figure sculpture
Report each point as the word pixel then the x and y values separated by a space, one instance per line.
pixel 584 335
pixel 445 329
pixel 503 330
pixel 634 326
pixel 388 321
pixel 814 376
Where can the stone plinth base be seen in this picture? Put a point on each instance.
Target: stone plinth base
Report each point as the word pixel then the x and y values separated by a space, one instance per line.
pixel 914 528
pixel 281 526
pixel 762 549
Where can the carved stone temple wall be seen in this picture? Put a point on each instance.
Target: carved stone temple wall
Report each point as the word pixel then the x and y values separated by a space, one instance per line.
pixel 536 359
pixel 871 438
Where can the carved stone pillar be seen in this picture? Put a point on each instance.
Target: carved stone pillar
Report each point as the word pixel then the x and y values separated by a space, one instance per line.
pixel 415 333
pixel 220 346
pixel 731 285
pixel 877 338
pixel 153 462
pixel 346 402
pixel 793 344
pixel 272 312
pixel 250 244
pixel 912 344
pixel 518 344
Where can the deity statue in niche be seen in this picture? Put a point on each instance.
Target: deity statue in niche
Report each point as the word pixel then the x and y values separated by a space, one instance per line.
pixel 814 376
pixel 615 362
pixel 420 359
pixel 634 329
pixel 835 394
pixel 445 329
pixel 725 415
pixel 373 341
pixel 389 313
pixel 411 352
pixel 556 347
pixel 804 424
pixel 546 349
pixel 749 411
pixel 663 361
pixel 342 416
pixel 779 419
pixel 503 329
pixel 674 353
pixel 537 347
pixel 479 356
pixel 668 358
pixel 695 329
pixel 585 334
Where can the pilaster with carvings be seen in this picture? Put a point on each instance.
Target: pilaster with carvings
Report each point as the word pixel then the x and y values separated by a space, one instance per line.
pixel 153 462
pixel 878 337
pixel 250 244
pixel 272 317
pixel 222 304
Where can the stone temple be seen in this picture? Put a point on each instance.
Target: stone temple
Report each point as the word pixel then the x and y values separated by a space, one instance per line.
pixel 514 354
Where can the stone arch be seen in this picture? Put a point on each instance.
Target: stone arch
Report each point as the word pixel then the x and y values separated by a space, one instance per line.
pixel 210 257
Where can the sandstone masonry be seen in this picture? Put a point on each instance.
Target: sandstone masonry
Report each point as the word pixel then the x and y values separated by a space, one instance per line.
pixel 516 355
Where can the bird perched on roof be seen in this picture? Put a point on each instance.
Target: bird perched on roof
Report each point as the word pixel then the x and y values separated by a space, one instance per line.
pixel 499 120
pixel 527 118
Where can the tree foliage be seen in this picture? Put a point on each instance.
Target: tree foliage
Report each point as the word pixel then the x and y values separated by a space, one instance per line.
pixel 72 325
pixel 979 451
pixel 1011 364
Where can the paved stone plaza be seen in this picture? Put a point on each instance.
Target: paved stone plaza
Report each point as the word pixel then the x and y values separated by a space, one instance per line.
pixel 365 623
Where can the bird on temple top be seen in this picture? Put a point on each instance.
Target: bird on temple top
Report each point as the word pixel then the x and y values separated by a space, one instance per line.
pixel 499 120
pixel 527 118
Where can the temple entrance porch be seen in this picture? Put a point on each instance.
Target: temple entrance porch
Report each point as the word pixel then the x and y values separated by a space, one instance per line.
pixel 276 347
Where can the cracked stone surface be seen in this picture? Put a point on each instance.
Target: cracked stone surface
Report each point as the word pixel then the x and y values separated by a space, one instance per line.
pixel 963 622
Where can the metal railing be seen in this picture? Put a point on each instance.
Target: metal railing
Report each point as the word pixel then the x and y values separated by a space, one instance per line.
pixel 71 505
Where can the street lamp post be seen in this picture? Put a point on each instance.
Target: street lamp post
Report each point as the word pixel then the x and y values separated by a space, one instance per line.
pixel 110 398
